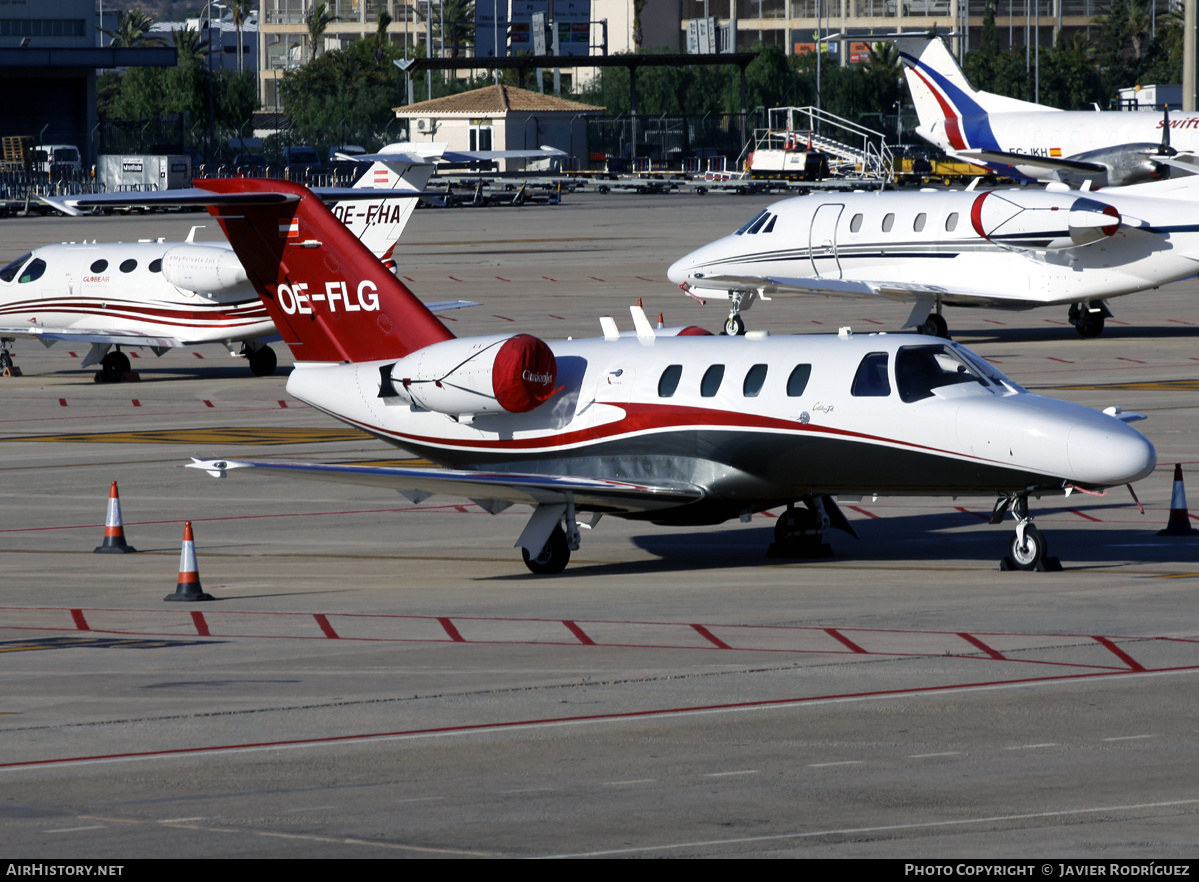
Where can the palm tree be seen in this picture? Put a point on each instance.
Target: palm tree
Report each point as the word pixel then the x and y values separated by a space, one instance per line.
pixel 1139 24
pixel 318 20
pixel 639 5
pixel 188 44
pixel 133 29
pixel 241 12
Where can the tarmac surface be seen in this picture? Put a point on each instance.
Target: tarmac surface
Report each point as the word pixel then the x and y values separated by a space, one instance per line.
pixel 380 679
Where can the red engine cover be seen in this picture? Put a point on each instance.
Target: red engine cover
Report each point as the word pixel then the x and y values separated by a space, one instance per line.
pixel 523 374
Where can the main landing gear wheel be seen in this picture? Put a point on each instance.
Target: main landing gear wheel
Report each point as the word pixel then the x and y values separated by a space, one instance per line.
pixel 1028 554
pixel 115 365
pixel 734 326
pixel 553 558
pixel 935 326
pixel 1090 324
pixel 262 361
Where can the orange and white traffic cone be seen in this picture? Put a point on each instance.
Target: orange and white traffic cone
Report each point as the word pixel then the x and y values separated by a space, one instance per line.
pixel 189 574
pixel 1180 522
pixel 114 531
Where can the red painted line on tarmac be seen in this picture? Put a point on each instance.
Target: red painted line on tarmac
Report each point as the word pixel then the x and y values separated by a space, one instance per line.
pixel 841 638
pixel 1179 322
pixel 583 718
pixel 558 317
pixel 282 404
pixel 1125 358
pixel 502 279
pixel 1119 653
pixel 136 403
pixel 452 279
pixel 72 354
pixel 62 402
pixel 974 641
pixel 872 321
pixel 80 621
pixel 579 633
pixel 1054 322
pixel 1118 322
pixel 994 321
pixel 548 279
pixel 208 403
pixel 322 621
pixel 201 625
pixel 1062 360
pixel 450 630
pixel 1084 516
pixel 197 355
pixel 863 511
pixel 503 318
pixel 977 514
pixel 816 322
pixel 710 637
pixel 458 507
pixel 596 278
pixel 644 279
pixel 134 355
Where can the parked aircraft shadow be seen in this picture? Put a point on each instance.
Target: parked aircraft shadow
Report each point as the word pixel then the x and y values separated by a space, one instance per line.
pixel 151 373
pixel 1065 333
pixel 949 537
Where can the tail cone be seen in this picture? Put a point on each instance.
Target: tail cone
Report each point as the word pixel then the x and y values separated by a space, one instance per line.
pixel 189 574
pixel 114 532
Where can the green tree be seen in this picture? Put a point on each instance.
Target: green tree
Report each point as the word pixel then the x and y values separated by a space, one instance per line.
pixel 133 29
pixel 318 20
pixel 241 10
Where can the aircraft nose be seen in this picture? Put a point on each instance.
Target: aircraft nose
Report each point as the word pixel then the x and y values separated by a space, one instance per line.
pixel 1108 455
pixel 678 270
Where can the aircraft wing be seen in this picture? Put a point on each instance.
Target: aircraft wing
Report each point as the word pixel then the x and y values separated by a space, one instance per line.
pixel 999 157
pixel 773 285
pixel 92 335
pixel 418 484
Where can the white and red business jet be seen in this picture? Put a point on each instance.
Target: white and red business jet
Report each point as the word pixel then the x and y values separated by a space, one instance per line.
pixel 161 295
pixel 679 430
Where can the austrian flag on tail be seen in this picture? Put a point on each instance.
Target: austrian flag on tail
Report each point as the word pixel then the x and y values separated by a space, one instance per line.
pixel 289 229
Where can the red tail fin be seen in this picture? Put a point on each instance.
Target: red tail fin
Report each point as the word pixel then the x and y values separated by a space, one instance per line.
pixel 329 297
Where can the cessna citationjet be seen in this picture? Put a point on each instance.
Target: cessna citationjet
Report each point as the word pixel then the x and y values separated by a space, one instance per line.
pixel 1022 139
pixel 1008 249
pixel 685 429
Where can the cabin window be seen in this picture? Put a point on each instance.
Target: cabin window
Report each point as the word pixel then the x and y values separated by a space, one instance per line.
pixel 753 381
pixel 10 272
pixel 669 381
pixel 951 222
pixel 921 369
pixel 888 222
pixel 798 381
pixel 99 266
pixel 918 223
pixel 155 265
pixel 769 228
pixel 710 384
pixel 856 224
pixel 128 266
pixel 871 380
pixel 753 220
pixel 34 271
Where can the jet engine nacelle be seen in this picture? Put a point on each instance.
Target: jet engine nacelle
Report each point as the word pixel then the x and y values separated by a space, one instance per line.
pixel 205 269
pixel 1042 220
pixel 477 375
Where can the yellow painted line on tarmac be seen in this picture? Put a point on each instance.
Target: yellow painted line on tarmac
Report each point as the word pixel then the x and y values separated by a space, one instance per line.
pixel 1145 386
pixel 216 435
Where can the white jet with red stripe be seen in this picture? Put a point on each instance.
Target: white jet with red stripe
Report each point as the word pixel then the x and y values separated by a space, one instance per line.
pixel 678 429
pixel 1011 249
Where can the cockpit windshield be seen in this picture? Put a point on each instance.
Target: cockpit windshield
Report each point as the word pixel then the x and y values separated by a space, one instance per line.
pixel 921 369
pixel 759 218
pixel 10 272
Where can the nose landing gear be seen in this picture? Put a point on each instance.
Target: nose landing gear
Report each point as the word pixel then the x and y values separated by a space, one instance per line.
pixel 1027 548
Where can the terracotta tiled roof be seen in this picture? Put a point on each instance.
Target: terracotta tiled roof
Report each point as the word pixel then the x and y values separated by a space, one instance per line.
pixel 495 100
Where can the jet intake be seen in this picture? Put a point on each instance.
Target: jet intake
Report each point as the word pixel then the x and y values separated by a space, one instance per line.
pixel 1044 220
pixel 478 375
pixel 204 269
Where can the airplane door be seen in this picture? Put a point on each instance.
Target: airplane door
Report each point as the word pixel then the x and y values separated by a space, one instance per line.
pixel 822 242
